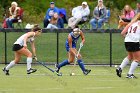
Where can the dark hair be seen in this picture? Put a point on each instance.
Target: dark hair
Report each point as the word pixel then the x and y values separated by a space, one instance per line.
pixel 76 26
pixel 36 28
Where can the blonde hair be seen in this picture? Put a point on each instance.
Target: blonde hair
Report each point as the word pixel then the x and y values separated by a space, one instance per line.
pixel 129 9
pixel 136 18
pixel 54 19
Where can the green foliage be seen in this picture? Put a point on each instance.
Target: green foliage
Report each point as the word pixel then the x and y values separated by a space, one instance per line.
pixel 35 10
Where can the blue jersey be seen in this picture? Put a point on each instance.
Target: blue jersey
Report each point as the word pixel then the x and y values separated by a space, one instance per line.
pixel 74 41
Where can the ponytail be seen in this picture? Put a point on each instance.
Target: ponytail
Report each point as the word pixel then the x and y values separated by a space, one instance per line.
pixel 36 28
pixel 136 18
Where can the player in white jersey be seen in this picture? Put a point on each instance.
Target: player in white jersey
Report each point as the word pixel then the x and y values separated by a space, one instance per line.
pixel 20 49
pixel 132 44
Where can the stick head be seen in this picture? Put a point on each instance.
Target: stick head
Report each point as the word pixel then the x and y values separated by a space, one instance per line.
pixel 59 74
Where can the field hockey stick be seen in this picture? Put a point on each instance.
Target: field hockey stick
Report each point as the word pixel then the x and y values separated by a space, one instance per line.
pixel 76 58
pixel 45 66
pixel 59 74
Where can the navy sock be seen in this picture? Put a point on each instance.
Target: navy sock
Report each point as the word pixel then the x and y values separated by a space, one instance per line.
pixel 65 62
pixel 81 64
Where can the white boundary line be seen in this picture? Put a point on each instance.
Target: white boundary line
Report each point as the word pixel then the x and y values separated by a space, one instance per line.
pixel 43 74
pixel 44 89
pixel 92 88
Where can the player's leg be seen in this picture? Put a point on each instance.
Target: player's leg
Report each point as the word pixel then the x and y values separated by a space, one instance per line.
pixel 28 54
pixel 134 64
pixel 66 62
pixel 81 64
pixel 125 61
pixel 12 63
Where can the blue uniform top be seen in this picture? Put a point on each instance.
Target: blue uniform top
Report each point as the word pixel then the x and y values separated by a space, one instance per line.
pixel 74 41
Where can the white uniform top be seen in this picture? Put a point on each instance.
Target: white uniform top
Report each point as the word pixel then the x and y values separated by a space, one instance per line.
pixel 20 40
pixel 133 33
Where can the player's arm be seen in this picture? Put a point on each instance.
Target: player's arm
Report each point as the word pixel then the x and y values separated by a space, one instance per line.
pixel 29 34
pixel 70 41
pixel 124 32
pixel 33 48
pixel 82 37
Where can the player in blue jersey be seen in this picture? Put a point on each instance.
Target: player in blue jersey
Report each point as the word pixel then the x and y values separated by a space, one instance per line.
pixel 71 49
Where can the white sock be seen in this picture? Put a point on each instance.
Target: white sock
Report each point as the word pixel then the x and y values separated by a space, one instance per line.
pixel 133 66
pixel 124 63
pixel 12 63
pixel 29 61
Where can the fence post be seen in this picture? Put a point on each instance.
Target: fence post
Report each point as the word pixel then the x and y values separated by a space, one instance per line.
pixel 5 47
pixel 110 47
pixel 57 47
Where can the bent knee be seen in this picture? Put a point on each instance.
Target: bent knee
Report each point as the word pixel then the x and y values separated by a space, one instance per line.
pixel 29 55
pixel 71 61
pixel 137 59
pixel 16 61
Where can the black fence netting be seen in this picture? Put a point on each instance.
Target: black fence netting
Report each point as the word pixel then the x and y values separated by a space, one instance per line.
pixel 99 48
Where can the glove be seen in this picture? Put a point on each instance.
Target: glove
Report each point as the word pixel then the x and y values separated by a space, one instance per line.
pixel 35 58
pixel 81 44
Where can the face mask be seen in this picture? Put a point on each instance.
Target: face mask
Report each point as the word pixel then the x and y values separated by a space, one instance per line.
pixel 76 32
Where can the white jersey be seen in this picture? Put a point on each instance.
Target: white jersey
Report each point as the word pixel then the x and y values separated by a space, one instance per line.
pixel 20 40
pixel 133 33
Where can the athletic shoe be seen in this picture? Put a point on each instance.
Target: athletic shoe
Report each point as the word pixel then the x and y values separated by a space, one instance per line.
pixel 86 72
pixel 119 72
pixel 131 76
pixel 31 70
pixel 6 71
pixel 56 68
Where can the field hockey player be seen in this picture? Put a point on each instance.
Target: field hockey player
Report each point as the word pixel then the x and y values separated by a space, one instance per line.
pixel 20 49
pixel 70 46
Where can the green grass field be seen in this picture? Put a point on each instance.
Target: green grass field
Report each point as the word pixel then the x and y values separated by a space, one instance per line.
pixel 102 79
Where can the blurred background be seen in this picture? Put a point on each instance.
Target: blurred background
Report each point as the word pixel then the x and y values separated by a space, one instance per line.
pixel 35 10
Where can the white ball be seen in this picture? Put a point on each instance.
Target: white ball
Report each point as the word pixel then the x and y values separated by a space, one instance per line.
pixel 116 65
pixel 72 74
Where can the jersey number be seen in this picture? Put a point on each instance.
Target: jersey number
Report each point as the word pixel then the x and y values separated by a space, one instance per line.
pixel 133 30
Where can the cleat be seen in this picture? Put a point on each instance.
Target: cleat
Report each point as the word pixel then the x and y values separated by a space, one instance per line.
pixel 6 71
pixel 119 72
pixel 31 70
pixel 86 72
pixel 131 76
pixel 56 71
pixel 56 68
